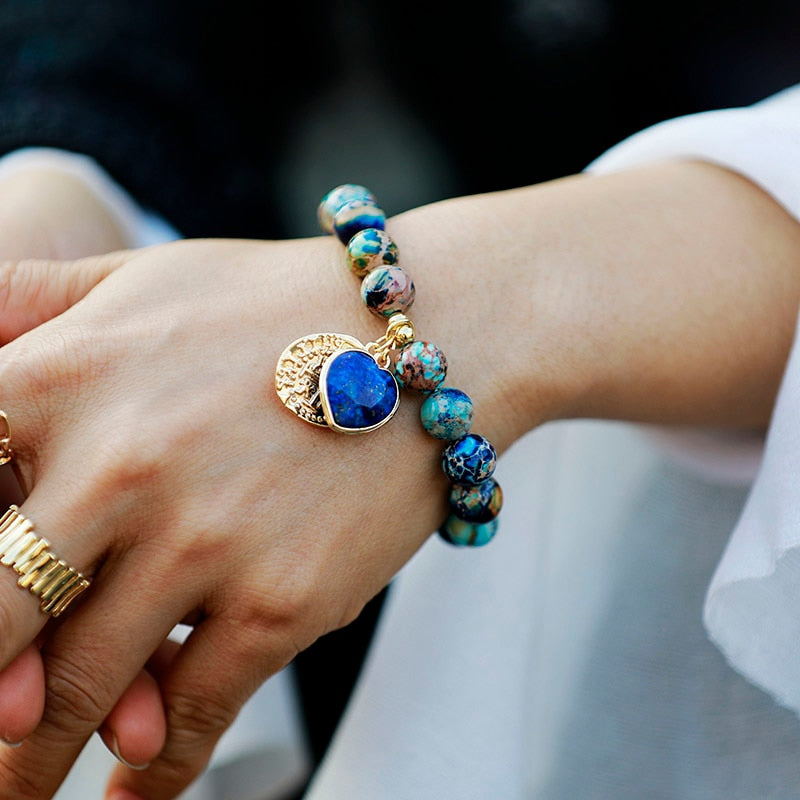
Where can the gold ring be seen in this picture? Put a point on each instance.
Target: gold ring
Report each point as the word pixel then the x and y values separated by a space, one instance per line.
pixel 6 453
pixel 54 582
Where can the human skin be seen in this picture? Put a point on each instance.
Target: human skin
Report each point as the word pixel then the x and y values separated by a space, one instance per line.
pixel 48 213
pixel 159 460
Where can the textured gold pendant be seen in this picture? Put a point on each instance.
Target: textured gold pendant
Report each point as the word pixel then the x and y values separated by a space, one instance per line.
pixel 333 381
pixel 298 372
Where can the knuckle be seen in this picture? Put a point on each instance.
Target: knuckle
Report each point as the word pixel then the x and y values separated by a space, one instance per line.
pixel 192 717
pixel 119 464
pixel 176 767
pixel 73 697
pixel 351 612
pixel 131 456
pixel 289 616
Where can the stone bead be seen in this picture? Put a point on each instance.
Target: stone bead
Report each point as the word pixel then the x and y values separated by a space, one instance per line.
pixel 355 216
pixel 470 459
pixel 369 249
pixel 479 503
pixel 421 367
pixel 336 198
pixel 462 533
pixel 387 290
pixel 447 413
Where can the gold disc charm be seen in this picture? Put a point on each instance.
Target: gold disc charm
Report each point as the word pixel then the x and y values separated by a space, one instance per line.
pixel 332 380
pixel 298 371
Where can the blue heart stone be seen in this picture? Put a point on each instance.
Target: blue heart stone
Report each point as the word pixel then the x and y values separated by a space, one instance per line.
pixel 357 394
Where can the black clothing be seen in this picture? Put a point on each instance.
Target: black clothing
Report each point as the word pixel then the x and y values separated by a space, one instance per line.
pixel 191 104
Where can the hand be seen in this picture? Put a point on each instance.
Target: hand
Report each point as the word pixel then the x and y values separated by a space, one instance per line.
pixel 187 489
pixel 46 212
pixel 160 461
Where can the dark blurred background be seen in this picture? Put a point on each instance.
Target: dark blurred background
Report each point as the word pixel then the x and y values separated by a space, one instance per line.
pixel 234 118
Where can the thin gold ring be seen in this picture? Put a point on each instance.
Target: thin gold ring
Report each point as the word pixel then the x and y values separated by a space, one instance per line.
pixel 6 453
pixel 53 581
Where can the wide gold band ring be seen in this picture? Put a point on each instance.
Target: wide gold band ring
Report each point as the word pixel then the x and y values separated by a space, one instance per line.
pixel 54 582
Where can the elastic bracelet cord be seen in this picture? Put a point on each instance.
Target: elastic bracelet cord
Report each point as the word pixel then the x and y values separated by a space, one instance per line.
pixel 351 213
pixel 332 380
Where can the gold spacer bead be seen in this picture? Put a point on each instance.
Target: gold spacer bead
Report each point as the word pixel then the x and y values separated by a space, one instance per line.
pixel 400 330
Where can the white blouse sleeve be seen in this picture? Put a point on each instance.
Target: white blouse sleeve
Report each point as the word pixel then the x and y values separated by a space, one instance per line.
pixel 752 606
pixel 139 226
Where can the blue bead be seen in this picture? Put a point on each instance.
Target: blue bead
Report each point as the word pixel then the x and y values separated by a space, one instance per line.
pixel 370 248
pixel 470 459
pixel 479 503
pixel 336 198
pixel 447 413
pixel 462 533
pixel 357 394
pixel 355 216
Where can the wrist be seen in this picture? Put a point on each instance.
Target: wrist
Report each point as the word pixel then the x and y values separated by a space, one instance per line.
pixel 495 308
pixel 665 294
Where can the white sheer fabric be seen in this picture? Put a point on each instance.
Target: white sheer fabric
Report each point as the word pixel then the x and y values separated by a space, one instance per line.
pixel 569 659
pixel 614 641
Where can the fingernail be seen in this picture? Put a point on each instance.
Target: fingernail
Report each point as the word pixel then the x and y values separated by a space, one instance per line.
pixel 115 750
pixel 11 744
pixel 122 794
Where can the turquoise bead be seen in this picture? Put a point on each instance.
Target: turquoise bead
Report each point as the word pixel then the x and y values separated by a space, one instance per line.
pixel 462 533
pixel 370 248
pixel 336 198
pixel 447 413
pixel 387 290
pixel 479 503
pixel 420 367
pixel 470 459
pixel 355 216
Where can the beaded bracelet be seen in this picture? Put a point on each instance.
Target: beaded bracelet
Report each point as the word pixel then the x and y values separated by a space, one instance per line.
pixel 333 380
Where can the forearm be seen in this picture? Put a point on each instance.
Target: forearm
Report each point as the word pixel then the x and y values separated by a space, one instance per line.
pixel 664 294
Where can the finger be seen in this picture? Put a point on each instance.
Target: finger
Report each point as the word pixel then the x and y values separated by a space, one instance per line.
pixel 21 615
pixel 90 659
pixel 136 728
pixel 21 696
pixel 216 671
pixel 33 291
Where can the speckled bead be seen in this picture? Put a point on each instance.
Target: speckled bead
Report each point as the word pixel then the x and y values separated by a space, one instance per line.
pixel 461 533
pixel 447 413
pixel 336 198
pixel 355 216
pixel 369 249
pixel 479 503
pixel 387 290
pixel 470 459
pixel 420 367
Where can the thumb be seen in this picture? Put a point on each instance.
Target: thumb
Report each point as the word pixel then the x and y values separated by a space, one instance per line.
pixel 33 291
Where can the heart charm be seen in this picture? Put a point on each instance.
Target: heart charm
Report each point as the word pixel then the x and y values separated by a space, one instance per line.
pixel 357 394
